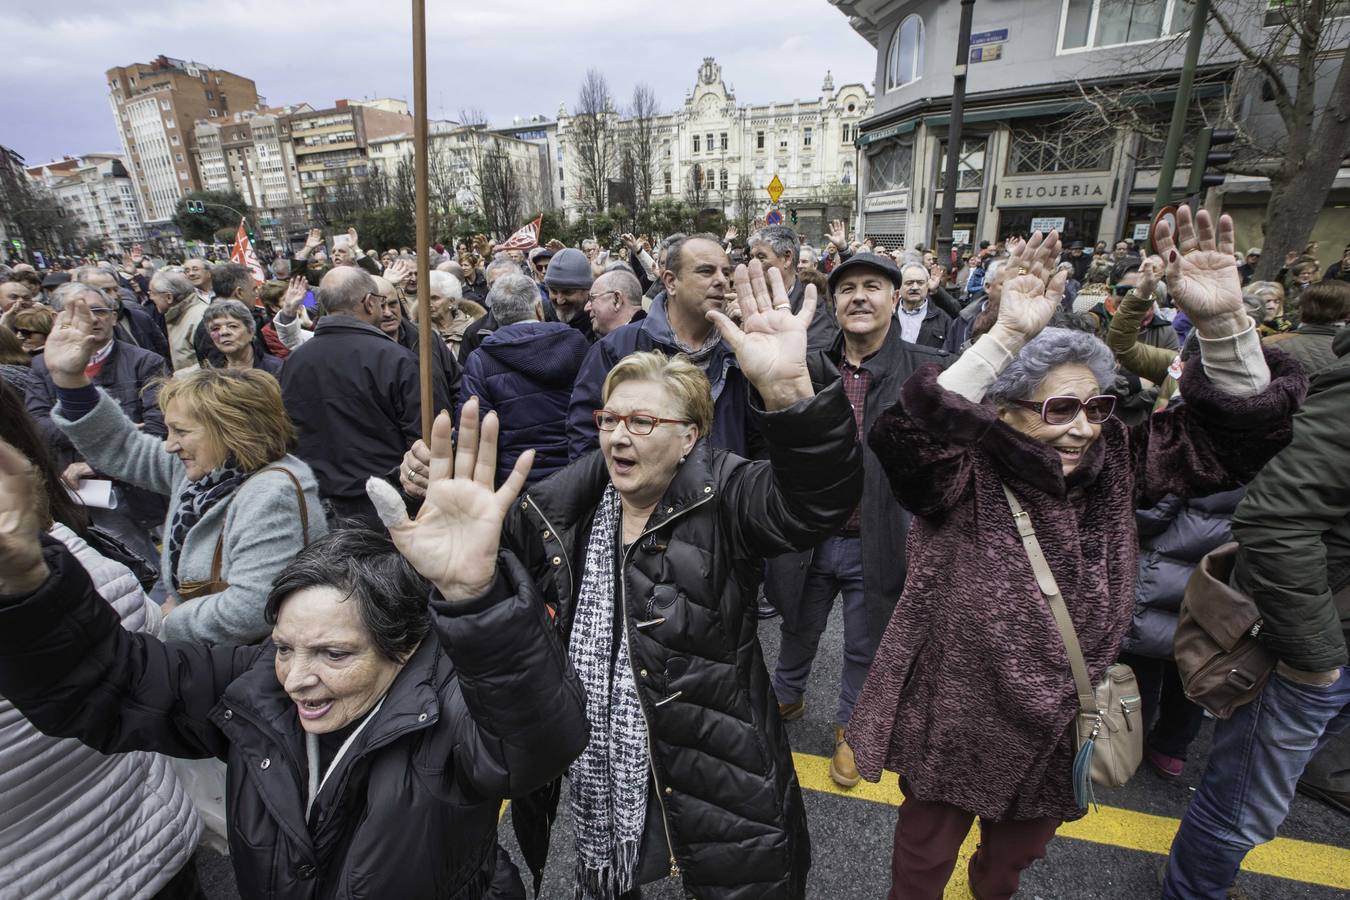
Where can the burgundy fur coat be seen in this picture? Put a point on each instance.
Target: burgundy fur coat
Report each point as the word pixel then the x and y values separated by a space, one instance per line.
pixel 970 697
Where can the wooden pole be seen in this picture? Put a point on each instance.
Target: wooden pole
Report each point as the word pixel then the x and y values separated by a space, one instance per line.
pixel 419 24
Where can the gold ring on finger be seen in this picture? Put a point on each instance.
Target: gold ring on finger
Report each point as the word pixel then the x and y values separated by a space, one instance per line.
pixel 782 306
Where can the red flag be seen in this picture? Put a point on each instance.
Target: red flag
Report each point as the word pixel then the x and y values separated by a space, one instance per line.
pixel 244 255
pixel 527 238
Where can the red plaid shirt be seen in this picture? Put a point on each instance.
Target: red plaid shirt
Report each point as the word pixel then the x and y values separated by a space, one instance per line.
pixel 856 382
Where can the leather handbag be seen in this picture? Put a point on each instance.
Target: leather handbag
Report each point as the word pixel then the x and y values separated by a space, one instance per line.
pixel 1109 727
pixel 191 590
pixel 1222 664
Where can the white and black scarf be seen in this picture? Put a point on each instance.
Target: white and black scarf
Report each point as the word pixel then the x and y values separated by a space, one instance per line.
pixel 194 501
pixel 609 780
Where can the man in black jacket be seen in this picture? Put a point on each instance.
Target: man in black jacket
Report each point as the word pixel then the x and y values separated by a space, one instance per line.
pixel 920 317
pixel 864 559
pixel 778 246
pixel 353 394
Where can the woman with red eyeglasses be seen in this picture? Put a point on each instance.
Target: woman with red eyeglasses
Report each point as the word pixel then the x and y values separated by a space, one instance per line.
pixel 970 697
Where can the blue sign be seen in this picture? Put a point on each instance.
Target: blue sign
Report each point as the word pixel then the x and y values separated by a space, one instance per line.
pixel 989 37
pixel 774 217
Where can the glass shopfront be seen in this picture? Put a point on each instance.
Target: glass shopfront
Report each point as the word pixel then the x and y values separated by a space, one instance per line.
pixel 1081 223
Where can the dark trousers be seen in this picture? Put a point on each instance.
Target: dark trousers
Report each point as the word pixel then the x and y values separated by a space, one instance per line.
pixel 928 837
pixel 1178 720
pixel 836 568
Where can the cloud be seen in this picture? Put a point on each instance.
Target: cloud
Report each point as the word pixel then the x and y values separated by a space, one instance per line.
pixel 507 59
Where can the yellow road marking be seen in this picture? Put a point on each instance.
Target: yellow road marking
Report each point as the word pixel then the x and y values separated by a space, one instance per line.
pixel 1304 861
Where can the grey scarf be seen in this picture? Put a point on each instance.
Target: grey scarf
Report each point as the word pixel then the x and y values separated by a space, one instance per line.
pixel 608 781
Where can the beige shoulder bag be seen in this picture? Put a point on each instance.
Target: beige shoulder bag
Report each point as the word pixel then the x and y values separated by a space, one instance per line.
pixel 1109 730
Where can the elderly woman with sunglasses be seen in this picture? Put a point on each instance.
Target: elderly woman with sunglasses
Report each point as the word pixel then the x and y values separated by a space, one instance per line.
pixel 970 696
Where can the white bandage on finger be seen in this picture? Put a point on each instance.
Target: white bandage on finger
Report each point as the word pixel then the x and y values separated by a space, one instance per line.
pixel 388 504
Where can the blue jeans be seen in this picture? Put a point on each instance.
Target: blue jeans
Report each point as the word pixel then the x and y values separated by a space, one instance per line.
pixel 836 567
pixel 1256 762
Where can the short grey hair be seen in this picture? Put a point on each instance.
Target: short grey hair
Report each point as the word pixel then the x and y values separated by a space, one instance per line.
pixel 1041 355
pixel 228 309
pixel 445 284
pixel 781 238
pixel 501 265
pixel 175 284
pixel 347 287
pixel 72 289
pixel 668 242
pixel 626 283
pixel 914 265
pixel 281 268
pixel 512 299
pixel 805 249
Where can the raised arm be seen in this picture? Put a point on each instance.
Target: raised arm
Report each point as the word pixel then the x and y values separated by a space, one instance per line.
pixel 813 477
pixel 68 665
pixel 526 711
pixel 1123 335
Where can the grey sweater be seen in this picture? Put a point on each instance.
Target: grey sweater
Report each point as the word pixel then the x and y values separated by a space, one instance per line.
pixel 261 524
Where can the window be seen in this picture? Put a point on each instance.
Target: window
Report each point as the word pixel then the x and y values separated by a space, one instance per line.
pixel 562 193
pixel 759 140
pixel 846 133
pixel 723 179
pixel 696 143
pixel 806 137
pixel 1276 14
pixel 666 178
pixel 1059 146
pixel 210 96
pixel 213 113
pixel 178 157
pixel 173 139
pixel 970 165
pixel 904 59
pixel 1087 24
pixel 560 173
pixel 782 143
pixel 724 140
pixel 890 168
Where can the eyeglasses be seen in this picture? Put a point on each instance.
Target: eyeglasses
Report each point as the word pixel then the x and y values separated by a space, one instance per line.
pixel 596 298
pixel 102 311
pixel 25 333
pixel 636 423
pixel 1063 410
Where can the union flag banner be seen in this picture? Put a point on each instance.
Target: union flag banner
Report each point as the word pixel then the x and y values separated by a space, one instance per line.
pixel 244 255
pixel 527 238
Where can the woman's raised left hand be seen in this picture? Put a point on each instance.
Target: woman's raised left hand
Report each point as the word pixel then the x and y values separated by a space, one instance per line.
pixel 769 342
pixel 1201 271
pixel 21 567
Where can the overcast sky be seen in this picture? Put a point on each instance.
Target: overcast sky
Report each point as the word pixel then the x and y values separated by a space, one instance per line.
pixel 509 59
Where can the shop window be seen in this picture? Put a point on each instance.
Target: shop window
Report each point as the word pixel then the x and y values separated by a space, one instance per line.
pixel 890 168
pixel 970 164
pixel 1063 145
pixel 904 59
pixel 1089 24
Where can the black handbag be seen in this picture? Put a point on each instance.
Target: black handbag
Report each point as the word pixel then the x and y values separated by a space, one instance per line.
pixel 111 547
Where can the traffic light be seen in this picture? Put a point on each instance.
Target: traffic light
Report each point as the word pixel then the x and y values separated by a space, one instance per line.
pixel 1206 157
pixel 794 217
pixel 196 206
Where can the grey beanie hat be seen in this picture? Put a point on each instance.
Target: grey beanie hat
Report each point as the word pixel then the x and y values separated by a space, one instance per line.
pixel 569 268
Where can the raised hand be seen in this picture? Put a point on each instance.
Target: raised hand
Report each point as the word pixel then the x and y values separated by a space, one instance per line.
pixel 454 539
pixel 838 234
pixel 71 344
pixel 351 235
pixel 21 567
pixel 1150 273
pixel 1202 276
pixel 1030 289
pixel 400 270
pixel 313 242
pixel 294 296
pixel 770 342
pixel 730 235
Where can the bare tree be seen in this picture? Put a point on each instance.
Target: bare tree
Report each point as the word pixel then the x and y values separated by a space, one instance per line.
pixel 501 190
pixel 696 186
pixel 641 144
pixel 593 140
pixel 746 205
pixel 1281 50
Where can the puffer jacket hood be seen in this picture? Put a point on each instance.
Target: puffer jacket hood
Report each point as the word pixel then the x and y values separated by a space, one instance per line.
pixel 534 350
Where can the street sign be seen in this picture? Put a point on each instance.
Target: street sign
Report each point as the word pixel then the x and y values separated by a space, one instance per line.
pixel 1044 224
pixel 775 190
pixel 987 53
pixel 775 217
pixel 1141 231
pixel 997 36
pixel 960 235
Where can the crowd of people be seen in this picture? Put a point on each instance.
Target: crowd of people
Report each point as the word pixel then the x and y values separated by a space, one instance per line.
pixel 241 592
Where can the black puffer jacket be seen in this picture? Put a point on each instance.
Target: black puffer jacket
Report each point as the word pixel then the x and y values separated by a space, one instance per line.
pixel 486 708
pixel 720 758
pixel 1174 536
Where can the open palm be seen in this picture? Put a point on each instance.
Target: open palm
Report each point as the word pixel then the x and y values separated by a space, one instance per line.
pixel 770 342
pixel 454 539
pixel 1201 271
pixel 1031 290
pixel 72 342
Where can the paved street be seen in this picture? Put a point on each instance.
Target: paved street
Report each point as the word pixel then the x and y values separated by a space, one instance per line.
pixel 1114 853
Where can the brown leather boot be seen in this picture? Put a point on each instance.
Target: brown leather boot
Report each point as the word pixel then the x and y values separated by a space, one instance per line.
pixel 843 770
pixel 791 712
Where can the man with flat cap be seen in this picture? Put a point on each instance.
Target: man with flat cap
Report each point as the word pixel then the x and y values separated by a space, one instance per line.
pixel 864 560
